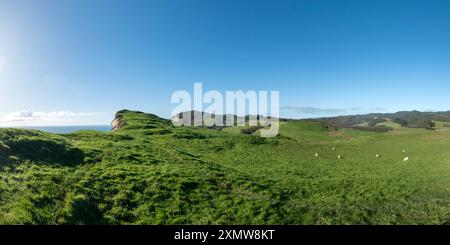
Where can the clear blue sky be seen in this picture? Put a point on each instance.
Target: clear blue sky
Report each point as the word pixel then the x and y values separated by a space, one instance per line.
pixel 84 60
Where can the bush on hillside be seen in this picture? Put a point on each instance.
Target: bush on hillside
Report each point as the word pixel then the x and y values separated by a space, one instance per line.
pixel 250 130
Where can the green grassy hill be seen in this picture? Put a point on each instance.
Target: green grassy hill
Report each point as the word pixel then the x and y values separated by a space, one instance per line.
pixel 410 119
pixel 149 172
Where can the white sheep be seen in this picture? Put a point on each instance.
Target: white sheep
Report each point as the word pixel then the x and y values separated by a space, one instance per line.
pixel 316 155
pixel 377 156
pixel 333 148
pixel 403 151
pixel 406 159
pixel 339 157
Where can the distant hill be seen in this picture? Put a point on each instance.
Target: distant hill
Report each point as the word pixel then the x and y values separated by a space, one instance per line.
pixel 368 122
pixel 126 119
pixel 191 117
pixel 411 119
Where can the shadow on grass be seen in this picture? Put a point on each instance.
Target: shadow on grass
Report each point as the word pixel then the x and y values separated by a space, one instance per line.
pixel 44 151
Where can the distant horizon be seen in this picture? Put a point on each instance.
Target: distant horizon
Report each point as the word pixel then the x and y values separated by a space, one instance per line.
pixel 49 126
pixel 62 129
pixel 168 118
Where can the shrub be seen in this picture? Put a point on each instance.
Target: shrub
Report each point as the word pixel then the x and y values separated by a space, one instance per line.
pixel 250 130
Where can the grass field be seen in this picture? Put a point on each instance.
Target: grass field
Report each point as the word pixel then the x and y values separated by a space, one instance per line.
pixel 152 173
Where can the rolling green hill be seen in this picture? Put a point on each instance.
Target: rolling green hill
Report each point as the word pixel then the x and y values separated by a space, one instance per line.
pixel 410 119
pixel 148 172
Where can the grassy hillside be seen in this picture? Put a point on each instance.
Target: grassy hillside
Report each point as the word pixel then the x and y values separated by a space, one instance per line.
pixel 410 119
pixel 149 172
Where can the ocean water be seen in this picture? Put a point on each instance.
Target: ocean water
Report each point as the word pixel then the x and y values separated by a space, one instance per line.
pixel 69 129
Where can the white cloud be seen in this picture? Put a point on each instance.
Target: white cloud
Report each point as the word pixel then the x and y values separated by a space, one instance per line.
pixel 29 116
pixel 315 110
pixel 312 110
pixel 308 111
pixel 377 109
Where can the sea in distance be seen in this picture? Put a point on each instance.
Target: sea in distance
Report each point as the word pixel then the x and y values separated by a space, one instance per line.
pixel 66 129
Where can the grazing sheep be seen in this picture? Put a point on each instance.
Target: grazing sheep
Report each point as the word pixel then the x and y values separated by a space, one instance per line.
pixel 377 156
pixel 403 151
pixel 316 155
pixel 406 159
pixel 333 148
pixel 339 157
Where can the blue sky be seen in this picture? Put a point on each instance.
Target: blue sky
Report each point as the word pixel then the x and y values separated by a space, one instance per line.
pixel 77 62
